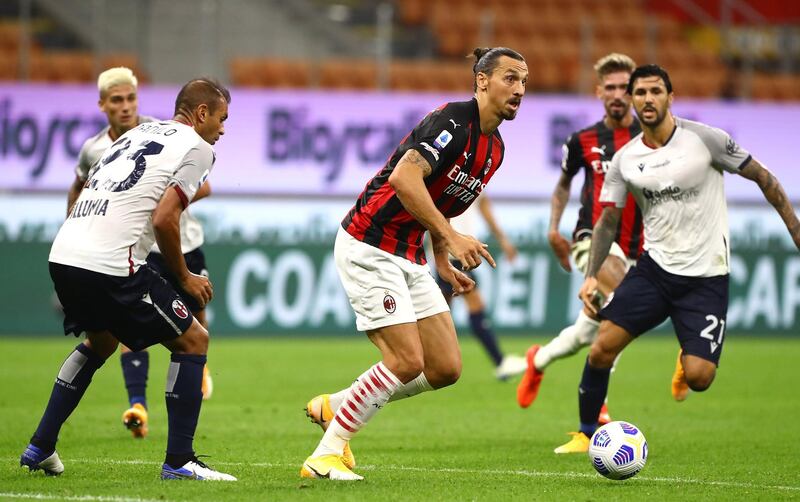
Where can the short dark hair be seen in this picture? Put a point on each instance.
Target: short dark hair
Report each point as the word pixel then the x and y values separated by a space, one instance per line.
pixel 200 91
pixel 486 60
pixel 649 70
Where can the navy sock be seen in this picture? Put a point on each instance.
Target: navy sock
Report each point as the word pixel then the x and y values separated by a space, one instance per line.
pixel 480 326
pixel 135 366
pixel 184 397
pixel 591 395
pixel 72 381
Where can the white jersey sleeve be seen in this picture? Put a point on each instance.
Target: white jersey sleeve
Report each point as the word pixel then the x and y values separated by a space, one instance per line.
pixel 614 189
pixel 726 154
pixel 193 171
pixel 91 151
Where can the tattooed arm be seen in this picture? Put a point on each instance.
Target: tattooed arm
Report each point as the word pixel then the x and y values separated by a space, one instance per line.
pixel 775 195
pixel 408 181
pixel 602 237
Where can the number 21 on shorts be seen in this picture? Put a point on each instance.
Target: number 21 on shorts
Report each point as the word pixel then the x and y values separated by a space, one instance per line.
pixel 707 331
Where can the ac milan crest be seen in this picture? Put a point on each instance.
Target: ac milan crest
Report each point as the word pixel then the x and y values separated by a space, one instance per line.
pixel 180 309
pixel 389 304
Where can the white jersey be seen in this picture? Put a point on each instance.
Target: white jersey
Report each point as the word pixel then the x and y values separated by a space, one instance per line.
pixel 94 147
pixel 91 151
pixel 109 228
pixel 680 190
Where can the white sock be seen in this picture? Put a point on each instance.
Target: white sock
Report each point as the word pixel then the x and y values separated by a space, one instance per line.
pixel 337 398
pixel 569 341
pixel 412 388
pixel 368 394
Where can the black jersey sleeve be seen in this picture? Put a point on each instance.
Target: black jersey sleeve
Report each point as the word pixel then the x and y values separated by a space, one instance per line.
pixel 441 137
pixel 572 159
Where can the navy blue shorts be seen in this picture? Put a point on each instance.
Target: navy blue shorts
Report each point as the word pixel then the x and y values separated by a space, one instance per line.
pixel 140 311
pixel 447 289
pixel 697 307
pixel 195 262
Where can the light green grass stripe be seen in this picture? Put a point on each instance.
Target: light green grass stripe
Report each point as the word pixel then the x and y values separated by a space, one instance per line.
pixel 497 472
pixel 45 496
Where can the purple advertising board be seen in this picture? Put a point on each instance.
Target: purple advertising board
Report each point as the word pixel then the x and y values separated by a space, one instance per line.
pixel 331 143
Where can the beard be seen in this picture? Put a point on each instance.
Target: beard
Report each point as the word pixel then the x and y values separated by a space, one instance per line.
pixel 509 114
pixel 654 122
pixel 617 113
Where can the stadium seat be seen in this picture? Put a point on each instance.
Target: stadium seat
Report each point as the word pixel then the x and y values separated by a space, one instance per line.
pixel 10 33
pixel 348 74
pixel 128 60
pixel 413 12
pixel 72 67
pixel 9 65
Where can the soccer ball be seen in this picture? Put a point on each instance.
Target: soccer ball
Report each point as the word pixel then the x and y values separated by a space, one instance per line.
pixel 618 450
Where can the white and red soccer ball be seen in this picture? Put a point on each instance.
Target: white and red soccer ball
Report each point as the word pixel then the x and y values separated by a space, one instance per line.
pixel 618 450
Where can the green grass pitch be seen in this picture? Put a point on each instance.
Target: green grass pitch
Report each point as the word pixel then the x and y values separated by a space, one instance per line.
pixel 739 440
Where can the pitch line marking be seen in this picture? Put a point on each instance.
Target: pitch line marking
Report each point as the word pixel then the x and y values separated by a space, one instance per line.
pixel 501 472
pixel 47 496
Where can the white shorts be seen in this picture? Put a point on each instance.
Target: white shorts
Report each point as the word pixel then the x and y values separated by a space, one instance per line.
pixel 384 289
pixel 580 254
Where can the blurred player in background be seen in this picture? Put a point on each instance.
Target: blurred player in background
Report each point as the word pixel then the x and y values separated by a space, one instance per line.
pixel 438 170
pixel 505 366
pixel 133 197
pixel 675 172
pixel 590 150
pixel 119 101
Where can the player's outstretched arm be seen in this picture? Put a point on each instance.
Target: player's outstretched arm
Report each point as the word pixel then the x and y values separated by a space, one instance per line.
pixel 166 225
pixel 775 195
pixel 408 181
pixel 558 202
pixel 602 237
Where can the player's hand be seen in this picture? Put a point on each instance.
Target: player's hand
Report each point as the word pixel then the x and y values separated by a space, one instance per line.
pixel 199 287
pixel 561 247
pixel 458 280
pixel 509 250
pixel 469 250
pixel 589 294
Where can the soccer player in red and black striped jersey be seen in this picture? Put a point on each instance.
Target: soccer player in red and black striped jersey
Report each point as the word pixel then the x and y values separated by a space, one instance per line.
pixel 438 170
pixel 590 150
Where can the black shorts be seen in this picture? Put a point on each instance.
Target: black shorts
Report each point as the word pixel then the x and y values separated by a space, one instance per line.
pixel 697 307
pixel 447 289
pixel 140 311
pixel 195 262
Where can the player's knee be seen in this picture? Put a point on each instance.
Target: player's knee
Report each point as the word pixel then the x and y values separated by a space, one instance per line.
pixel 102 345
pixel 407 367
pixel 444 375
pixel 193 341
pixel 601 356
pixel 701 379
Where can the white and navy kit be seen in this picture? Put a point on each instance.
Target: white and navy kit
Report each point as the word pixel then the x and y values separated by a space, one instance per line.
pixel 191 229
pixel 94 147
pixel 684 274
pixel 109 233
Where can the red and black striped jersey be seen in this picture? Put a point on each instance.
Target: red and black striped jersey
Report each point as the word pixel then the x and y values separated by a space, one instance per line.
pixel 463 161
pixel 591 149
